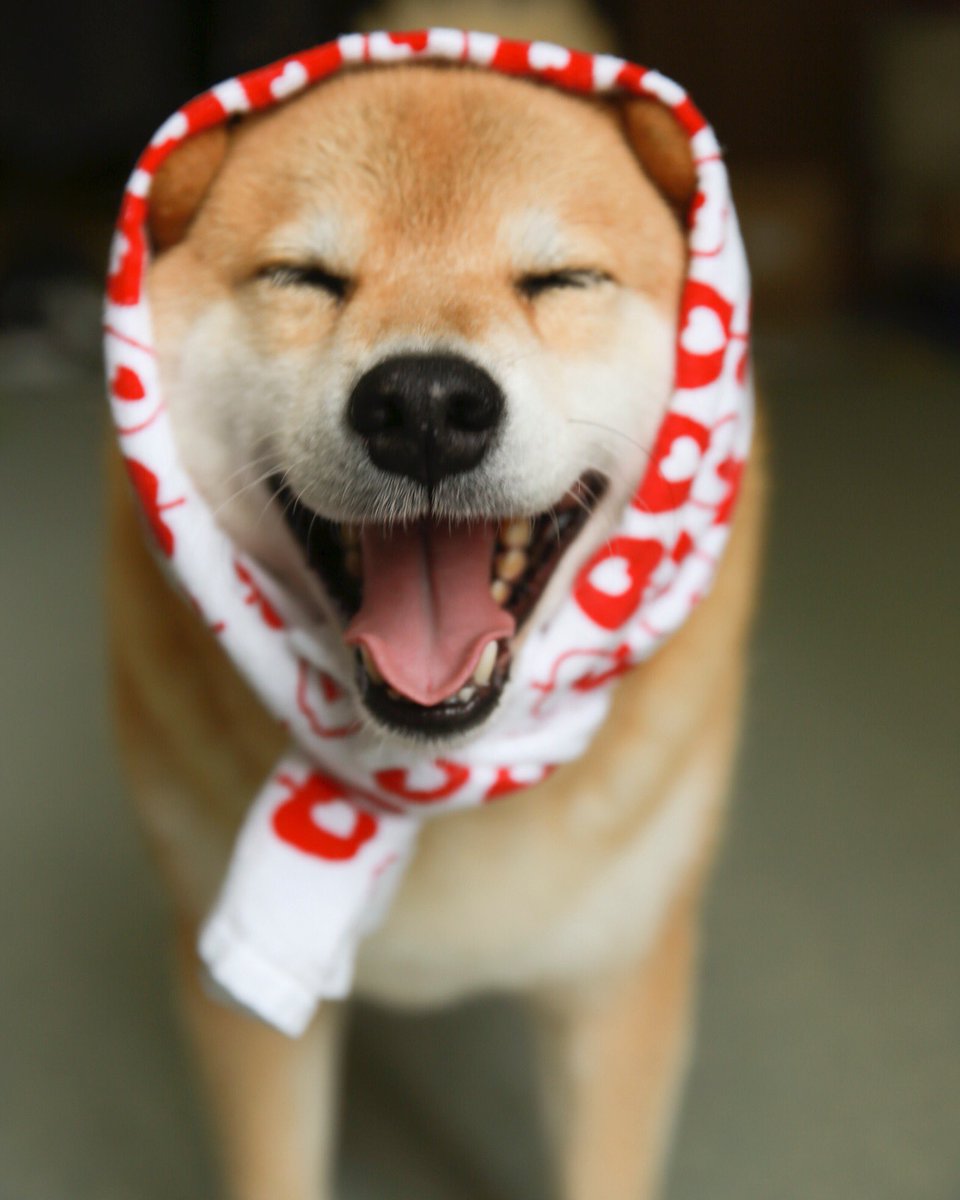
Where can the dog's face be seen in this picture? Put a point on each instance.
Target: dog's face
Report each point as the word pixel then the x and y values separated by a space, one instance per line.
pixel 416 330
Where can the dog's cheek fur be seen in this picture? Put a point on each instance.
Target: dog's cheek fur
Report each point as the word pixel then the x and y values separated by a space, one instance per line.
pixel 574 412
pixel 219 388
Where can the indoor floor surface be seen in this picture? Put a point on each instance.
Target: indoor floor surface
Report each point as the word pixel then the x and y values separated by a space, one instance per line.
pixel 828 1057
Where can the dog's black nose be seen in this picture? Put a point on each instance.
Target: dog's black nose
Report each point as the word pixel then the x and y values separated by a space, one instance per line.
pixel 426 415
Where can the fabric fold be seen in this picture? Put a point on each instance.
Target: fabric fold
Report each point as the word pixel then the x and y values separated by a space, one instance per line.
pixel 312 872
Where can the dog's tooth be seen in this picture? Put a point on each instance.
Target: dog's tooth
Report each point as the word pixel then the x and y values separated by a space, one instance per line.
pixel 516 534
pixel 352 563
pixel 483 672
pixel 500 590
pixel 511 565
pixel 349 536
pixel 466 693
pixel 370 666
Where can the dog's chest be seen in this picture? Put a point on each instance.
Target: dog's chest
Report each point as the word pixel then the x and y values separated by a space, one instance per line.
pixel 524 897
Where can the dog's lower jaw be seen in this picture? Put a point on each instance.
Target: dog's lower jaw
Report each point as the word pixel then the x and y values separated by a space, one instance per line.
pixel 441 726
pixel 525 553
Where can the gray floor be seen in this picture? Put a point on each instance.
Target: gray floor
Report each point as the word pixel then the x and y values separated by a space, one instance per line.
pixel 829 1058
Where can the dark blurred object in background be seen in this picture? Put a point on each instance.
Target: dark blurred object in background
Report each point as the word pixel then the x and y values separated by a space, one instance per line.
pixel 83 89
pixel 912 162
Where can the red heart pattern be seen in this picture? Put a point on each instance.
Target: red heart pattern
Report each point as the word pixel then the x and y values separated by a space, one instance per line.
pixel 396 782
pixel 298 821
pixel 611 586
pixel 705 321
pixel 254 595
pixel 127 384
pixel 147 486
pixel 667 483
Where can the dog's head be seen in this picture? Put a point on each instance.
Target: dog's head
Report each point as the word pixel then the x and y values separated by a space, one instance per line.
pixel 417 334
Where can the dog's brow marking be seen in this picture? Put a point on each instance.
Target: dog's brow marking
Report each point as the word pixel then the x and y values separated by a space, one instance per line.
pixel 537 239
pixel 317 235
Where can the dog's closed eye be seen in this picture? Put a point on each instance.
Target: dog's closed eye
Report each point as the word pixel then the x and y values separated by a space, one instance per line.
pixel 312 275
pixel 537 282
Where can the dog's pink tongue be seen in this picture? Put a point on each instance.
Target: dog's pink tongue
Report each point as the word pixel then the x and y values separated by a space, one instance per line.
pixel 427 612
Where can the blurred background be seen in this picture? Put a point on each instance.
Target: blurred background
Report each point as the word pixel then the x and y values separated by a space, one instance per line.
pixel 828 1065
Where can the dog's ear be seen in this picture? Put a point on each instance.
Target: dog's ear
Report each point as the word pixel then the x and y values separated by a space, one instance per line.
pixel 663 149
pixel 181 183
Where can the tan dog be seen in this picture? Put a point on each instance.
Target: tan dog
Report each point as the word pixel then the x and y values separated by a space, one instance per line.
pixel 403 214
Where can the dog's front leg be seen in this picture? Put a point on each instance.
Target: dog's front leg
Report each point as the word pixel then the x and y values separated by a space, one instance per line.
pixel 272 1098
pixel 613 1060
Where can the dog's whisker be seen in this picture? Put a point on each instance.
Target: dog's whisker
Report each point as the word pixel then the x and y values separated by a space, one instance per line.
pixel 253 483
pixel 251 463
pixel 285 505
pixel 263 512
pixel 605 428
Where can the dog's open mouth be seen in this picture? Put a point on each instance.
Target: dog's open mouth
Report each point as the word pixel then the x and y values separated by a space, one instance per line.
pixel 432 606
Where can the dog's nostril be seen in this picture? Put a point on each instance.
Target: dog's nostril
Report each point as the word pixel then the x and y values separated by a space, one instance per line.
pixel 426 415
pixel 377 414
pixel 472 412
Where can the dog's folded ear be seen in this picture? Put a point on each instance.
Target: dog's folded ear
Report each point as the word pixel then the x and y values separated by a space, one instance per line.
pixel 181 183
pixel 663 149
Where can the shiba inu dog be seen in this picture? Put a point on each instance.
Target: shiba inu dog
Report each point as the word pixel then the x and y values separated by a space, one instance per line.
pixel 417 328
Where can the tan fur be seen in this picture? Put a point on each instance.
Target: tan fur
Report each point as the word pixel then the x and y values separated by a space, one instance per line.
pixel 581 893
pixel 181 183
